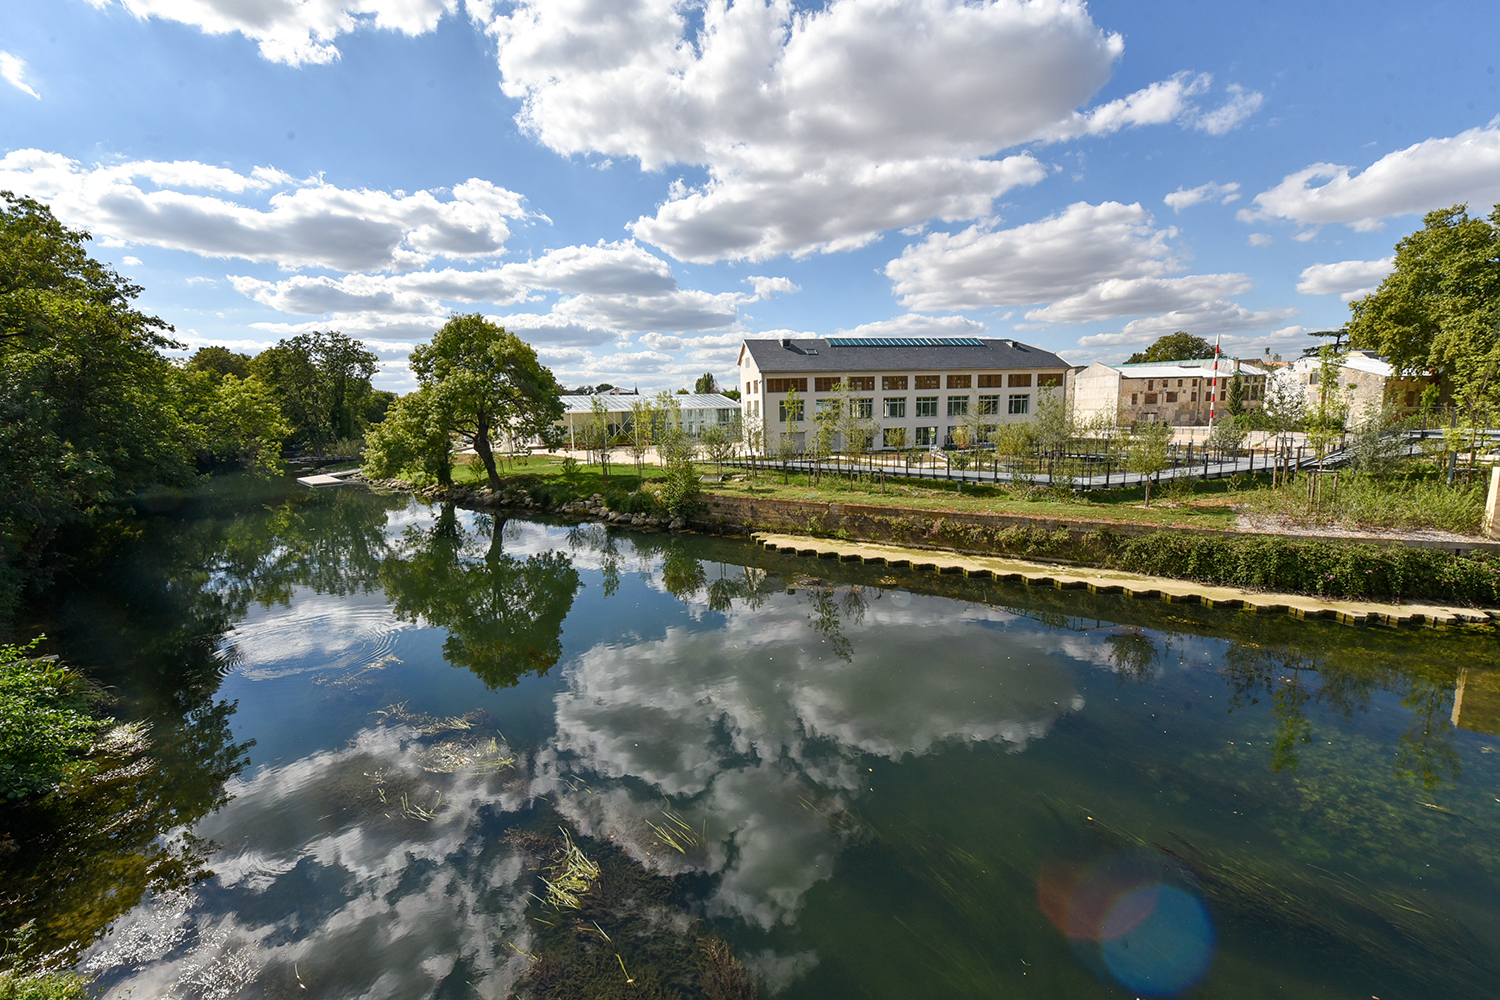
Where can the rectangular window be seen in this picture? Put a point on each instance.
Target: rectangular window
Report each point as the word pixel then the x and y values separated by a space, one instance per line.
pixel 894 437
pixel 992 381
pixel 892 383
pixel 1150 399
pixel 1052 380
pixel 989 406
pixel 757 385
pixel 895 409
pixel 861 383
pixel 1132 399
pixel 958 405
pixel 926 406
pixel 1179 383
pixel 926 437
pixel 828 383
pixel 793 412
pixel 1150 384
pixel 862 409
pixel 1171 397
pixel 755 408
pixel 1193 398
pixel 953 435
pixel 929 381
pixel 828 407
pixel 1020 382
pixel 960 381
pixel 1020 403
pixel 786 384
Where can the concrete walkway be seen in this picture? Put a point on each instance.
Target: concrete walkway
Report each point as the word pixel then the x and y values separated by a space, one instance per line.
pixel 1134 585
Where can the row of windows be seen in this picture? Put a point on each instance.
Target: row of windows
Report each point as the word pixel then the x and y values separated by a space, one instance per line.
pixel 921 437
pixel 895 408
pixel 896 383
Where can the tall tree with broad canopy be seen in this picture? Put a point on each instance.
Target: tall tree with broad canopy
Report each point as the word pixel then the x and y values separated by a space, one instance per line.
pixel 483 380
pixel 1437 310
pixel 88 413
pixel 323 382
pixel 1179 346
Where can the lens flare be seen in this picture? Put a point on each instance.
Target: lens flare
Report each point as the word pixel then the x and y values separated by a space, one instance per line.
pixel 1135 917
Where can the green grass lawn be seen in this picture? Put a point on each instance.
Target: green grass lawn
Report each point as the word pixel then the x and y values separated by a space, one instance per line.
pixel 1203 505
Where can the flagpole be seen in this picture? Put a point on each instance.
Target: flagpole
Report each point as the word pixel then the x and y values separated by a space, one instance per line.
pixel 1213 395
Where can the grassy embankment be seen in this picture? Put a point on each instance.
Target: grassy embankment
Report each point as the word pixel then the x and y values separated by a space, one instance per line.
pixel 1264 562
pixel 1414 502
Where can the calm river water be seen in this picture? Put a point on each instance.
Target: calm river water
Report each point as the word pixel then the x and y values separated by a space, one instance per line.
pixel 374 719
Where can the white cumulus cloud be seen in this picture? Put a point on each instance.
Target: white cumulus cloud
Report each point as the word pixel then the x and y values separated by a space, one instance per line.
pixel 1059 256
pixel 1431 174
pixel 766 288
pixel 1351 279
pixel 13 71
pixel 819 129
pixel 295 31
pixel 1187 197
pixel 304 224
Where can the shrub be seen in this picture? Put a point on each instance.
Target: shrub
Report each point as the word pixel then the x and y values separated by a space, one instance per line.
pixel 46 727
pixel 680 490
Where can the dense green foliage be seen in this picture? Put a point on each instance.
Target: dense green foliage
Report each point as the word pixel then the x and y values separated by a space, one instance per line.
pixel 1177 346
pixel 87 402
pixel 477 381
pixel 322 381
pixel 1436 311
pixel 46 727
pixel 42 986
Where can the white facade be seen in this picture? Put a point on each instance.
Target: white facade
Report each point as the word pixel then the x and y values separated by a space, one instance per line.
pixel 918 391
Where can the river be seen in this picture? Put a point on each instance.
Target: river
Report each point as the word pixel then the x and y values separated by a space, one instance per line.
pixel 373 720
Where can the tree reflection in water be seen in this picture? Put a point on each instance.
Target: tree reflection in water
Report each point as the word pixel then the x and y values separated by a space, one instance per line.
pixel 1294 678
pixel 503 615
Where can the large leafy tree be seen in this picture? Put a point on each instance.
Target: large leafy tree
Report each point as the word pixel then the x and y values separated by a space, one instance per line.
pixel 1179 346
pixel 322 380
pixel 87 414
pixel 1436 310
pixel 412 439
pixel 484 382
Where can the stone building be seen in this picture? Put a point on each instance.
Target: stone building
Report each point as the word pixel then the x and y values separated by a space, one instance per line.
pixel 1181 393
pixel 918 390
pixel 1364 381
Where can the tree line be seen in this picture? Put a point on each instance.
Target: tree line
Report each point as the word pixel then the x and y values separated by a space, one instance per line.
pixel 95 417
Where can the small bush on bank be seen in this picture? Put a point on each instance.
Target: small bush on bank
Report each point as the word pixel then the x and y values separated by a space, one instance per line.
pixel 42 986
pixel 680 491
pixel 46 727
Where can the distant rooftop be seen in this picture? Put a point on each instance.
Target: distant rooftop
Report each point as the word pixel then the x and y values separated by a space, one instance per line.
pixel 623 402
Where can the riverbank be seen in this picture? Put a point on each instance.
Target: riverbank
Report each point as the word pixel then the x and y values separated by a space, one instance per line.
pixel 1378 570
pixel 1133 585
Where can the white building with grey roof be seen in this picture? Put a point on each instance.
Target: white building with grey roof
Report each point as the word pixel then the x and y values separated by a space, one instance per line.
pixel 918 390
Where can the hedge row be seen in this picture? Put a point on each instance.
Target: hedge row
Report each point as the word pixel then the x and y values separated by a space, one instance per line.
pixel 1265 562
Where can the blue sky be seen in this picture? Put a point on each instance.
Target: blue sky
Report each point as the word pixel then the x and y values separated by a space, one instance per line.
pixel 634 185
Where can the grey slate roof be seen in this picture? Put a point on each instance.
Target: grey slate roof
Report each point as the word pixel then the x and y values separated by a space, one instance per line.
pixel 793 355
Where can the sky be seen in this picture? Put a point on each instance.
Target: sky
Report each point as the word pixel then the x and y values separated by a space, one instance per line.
pixel 633 186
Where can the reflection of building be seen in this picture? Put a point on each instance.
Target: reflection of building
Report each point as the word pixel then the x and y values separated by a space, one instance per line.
pixel 1181 393
pixel 917 390
pixel 1476 701
pixel 699 412
pixel 1362 380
